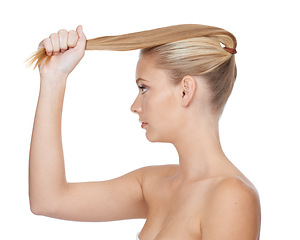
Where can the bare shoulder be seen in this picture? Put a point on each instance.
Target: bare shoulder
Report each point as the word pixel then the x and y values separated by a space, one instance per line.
pixel 235 188
pixel 159 170
pixel 153 172
pixel 152 175
pixel 233 201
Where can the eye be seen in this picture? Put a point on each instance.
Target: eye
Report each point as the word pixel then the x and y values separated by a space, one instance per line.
pixel 143 88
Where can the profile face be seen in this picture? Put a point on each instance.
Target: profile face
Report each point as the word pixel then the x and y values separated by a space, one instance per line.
pixel 157 103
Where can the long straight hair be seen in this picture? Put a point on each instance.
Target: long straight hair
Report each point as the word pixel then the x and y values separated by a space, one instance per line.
pixel 187 49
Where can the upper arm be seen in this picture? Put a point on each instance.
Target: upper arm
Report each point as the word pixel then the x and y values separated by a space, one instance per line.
pixel 233 213
pixel 116 199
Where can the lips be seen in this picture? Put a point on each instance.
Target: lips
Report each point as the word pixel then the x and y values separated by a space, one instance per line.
pixel 143 123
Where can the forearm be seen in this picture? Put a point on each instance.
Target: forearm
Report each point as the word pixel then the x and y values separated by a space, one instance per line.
pixel 46 162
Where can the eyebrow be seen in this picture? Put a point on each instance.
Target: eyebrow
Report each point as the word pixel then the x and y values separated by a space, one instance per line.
pixel 140 79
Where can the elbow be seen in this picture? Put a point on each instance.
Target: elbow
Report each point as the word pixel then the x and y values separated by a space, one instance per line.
pixel 44 208
pixel 46 204
pixel 35 210
pixel 33 203
pixel 38 208
pixel 36 204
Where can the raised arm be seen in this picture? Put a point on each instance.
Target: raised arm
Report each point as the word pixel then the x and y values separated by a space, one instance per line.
pixel 49 192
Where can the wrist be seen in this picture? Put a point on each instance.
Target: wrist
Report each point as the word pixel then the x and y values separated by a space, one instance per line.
pixel 53 76
pixel 53 79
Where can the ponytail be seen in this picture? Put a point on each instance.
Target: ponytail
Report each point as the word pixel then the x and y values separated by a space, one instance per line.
pixel 146 39
pixel 188 49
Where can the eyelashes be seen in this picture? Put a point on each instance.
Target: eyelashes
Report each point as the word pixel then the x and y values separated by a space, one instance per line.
pixel 143 88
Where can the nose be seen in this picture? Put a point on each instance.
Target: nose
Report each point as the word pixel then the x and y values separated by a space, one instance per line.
pixel 136 106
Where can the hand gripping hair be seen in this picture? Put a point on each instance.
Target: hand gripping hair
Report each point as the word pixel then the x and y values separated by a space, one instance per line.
pixel 187 49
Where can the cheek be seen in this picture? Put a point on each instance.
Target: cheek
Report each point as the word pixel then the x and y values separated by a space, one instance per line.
pixel 162 109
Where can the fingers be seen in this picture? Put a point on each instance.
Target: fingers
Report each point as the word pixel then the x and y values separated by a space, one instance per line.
pixel 60 42
pixel 63 40
pixel 82 39
pixel 55 43
pixel 73 38
pixel 46 43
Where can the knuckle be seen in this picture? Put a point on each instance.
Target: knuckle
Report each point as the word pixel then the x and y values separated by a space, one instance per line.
pixel 47 45
pixel 73 37
pixel 62 31
pixel 47 42
pixel 42 43
pixel 63 38
pixel 73 32
pixel 54 41
pixel 53 35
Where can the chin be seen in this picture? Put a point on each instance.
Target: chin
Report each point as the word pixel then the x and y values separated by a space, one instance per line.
pixel 152 138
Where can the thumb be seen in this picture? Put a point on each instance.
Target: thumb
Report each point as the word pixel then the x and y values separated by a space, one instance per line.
pixel 82 38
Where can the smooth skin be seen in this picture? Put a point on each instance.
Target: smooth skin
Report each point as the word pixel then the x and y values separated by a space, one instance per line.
pixel 203 197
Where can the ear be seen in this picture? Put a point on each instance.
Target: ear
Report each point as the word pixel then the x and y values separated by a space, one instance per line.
pixel 188 89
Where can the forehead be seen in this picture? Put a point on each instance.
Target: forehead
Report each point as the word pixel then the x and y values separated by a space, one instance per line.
pixel 147 69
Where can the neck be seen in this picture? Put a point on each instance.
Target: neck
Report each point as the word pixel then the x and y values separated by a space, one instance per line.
pixel 199 149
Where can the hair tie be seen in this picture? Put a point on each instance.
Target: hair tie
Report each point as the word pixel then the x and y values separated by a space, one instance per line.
pixel 230 50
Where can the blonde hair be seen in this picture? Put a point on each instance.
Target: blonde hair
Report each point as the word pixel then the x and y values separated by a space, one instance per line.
pixel 187 49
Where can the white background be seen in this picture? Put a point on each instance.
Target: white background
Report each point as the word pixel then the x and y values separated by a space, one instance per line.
pixel 102 139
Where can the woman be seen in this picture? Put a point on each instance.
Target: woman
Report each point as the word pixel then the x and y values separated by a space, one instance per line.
pixel 184 77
